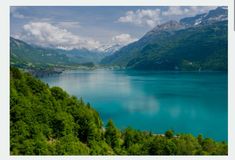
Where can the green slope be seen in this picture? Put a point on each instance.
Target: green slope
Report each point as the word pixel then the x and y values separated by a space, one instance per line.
pixel 203 47
pixel 25 55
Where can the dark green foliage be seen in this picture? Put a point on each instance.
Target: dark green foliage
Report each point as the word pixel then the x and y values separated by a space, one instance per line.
pixel 48 121
pixel 112 135
pixel 58 93
pixel 162 146
pixel 187 145
pixel 169 134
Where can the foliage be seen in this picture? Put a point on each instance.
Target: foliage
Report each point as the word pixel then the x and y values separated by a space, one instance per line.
pixel 48 121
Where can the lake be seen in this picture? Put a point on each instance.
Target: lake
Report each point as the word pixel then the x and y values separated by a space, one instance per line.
pixel 187 102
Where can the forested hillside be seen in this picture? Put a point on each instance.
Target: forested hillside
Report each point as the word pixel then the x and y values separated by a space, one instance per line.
pixel 48 121
pixel 25 55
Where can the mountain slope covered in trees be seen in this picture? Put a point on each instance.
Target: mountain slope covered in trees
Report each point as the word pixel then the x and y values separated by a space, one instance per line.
pixel 26 55
pixel 48 121
pixel 193 43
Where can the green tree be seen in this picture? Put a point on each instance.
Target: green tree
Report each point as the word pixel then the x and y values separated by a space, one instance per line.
pixel 112 135
pixel 70 145
pixel 169 134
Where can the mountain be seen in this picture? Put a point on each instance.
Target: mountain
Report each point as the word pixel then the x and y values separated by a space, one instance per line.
pixel 168 26
pixel 193 43
pixel 109 49
pixel 219 14
pixel 23 54
pixel 83 55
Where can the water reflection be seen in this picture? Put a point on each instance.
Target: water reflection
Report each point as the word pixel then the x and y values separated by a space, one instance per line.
pixel 142 104
pixel 156 101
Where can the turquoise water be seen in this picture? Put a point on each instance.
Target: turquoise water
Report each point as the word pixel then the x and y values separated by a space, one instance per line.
pixel 187 102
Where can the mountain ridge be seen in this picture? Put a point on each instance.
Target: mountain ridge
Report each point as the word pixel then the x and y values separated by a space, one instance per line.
pixel 23 53
pixel 178 45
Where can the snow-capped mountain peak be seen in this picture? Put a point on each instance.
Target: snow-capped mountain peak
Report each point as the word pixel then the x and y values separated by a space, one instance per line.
pixel 215 15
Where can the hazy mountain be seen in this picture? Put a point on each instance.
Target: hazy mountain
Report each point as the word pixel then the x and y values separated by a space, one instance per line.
pixel 194 43
pixel 23 54
pixel 109 49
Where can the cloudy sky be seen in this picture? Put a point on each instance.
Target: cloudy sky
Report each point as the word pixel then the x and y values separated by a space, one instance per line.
pixel 91 27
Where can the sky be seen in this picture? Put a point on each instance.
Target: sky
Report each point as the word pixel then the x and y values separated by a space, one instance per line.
pixel 93 28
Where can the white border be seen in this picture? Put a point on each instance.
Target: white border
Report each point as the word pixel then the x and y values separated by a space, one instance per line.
pixel 4 71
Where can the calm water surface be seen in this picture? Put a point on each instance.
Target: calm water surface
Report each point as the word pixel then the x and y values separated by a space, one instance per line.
pixel 187 102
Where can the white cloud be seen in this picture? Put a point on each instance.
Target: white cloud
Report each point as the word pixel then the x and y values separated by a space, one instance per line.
pixel 152 17
pixel 48 35
pixel 117 42
pixel 173 11
pixel 16 14
pixel 68 25
pixel 123 39
pixel 186 11
pixel 142 17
